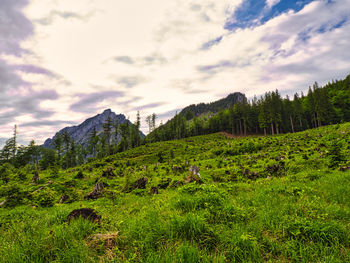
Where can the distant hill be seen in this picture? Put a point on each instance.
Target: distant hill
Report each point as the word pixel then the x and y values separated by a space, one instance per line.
pixel 215 106
pixel 178 127
pixel 80 134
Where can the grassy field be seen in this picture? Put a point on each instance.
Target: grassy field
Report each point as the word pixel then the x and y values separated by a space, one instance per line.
pixel 278 198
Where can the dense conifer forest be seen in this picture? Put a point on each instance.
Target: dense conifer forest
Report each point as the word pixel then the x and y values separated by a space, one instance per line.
pixel 270 114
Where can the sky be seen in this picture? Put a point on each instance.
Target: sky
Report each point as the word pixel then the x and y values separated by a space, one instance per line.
pixel 62 61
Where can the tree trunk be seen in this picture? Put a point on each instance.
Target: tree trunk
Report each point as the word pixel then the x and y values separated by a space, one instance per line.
pixel 318 120
pixel 315 120
pixel 272 129
pixel 291 123
pixel 264 131
pixel 277 131
pixel 245 128
pixel 240 127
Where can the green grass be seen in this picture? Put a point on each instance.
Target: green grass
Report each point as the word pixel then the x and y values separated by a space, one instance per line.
pixel 261 199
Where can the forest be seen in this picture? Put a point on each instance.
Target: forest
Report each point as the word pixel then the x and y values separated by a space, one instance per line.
pixel 271 114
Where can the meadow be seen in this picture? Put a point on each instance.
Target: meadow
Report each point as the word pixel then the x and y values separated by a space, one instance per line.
pixel 211 198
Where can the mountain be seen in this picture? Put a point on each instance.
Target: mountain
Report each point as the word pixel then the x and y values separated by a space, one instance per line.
pixel 80 134
pixel 215 106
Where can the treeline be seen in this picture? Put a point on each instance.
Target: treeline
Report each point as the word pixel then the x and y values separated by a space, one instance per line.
pixel 66 153
pixel 271 114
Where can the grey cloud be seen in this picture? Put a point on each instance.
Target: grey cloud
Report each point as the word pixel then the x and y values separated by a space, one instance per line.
pixel 27 68
pixel 149 60
pixel 124 59
pixel 28 104
pixel 154 58
pixel 14 26
pixel 149 106
pixel 131 100
pixel 63 14
pixel 168 114
pixel 196 7
pixel 219 66
pixel 17 97
pixel 130 81
pixel 2 142
pixel 7 117
pixel 186 86
pixel 8 78
pixel 88 102
pixel 46 123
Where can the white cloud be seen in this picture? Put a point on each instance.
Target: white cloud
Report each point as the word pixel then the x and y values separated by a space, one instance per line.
pixel 271 3
pixel 151 52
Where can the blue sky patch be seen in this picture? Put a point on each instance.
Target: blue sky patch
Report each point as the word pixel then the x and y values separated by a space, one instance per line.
pixel 211 43
pixel 254 12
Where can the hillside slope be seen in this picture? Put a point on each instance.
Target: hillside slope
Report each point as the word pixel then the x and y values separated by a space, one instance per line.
pixel 216 106
pixel 201 199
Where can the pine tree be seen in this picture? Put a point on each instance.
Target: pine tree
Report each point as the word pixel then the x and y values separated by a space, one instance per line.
pixel 14 142
pixel 58 142
pixel 149 123
pixel 154 117
pixel 107 130
pixel 93 141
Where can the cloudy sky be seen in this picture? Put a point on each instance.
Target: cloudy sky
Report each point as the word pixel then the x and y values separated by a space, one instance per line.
pixel 62 61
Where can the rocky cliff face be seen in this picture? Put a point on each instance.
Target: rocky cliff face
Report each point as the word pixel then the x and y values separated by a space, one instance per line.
pixel 80 134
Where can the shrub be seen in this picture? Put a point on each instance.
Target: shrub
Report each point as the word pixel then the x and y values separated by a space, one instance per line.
pixel 335 156
pixel 45 197
pixel 14 195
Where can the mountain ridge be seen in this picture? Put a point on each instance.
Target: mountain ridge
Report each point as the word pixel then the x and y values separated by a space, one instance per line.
pixel 80 133
pixel 215 106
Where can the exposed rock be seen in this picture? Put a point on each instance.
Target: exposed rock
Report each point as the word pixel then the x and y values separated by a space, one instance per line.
pixel 86 213
pixel 344 168
pixel 81 133
pixel 3 203
pixel 164 183
pixel 194 175
pixel 96 192
pixel 154 190
pixel 194 170
pixel 193 178
pixel 109 172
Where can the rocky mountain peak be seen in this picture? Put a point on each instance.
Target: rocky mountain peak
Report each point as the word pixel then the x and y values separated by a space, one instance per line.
pixel 80 133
